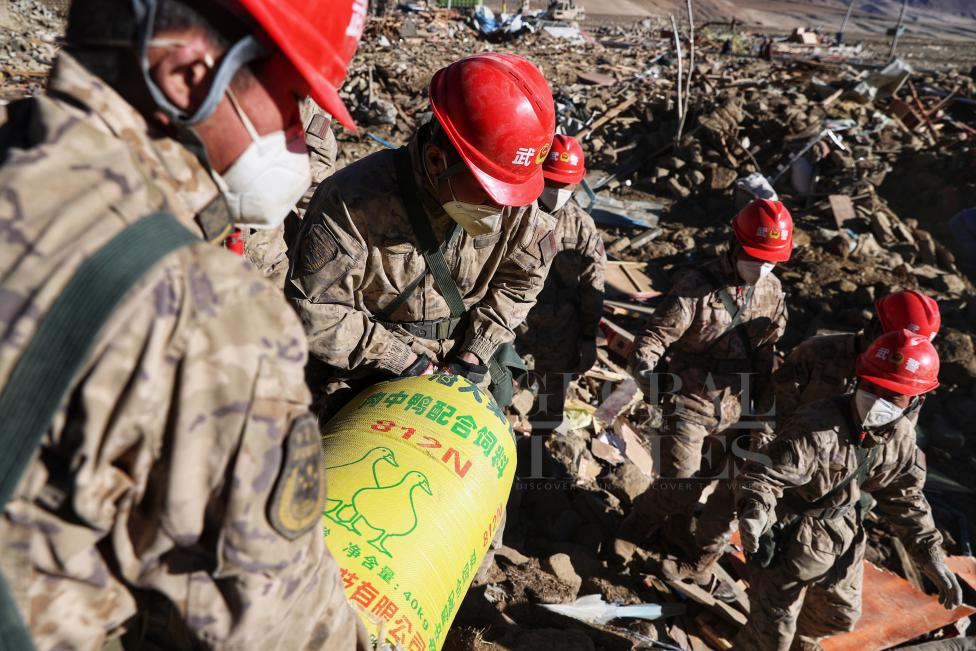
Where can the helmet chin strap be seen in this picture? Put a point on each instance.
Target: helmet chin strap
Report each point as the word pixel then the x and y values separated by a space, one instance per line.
pixel 242 52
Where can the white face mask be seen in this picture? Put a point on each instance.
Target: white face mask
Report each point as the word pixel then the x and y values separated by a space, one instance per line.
pixel 752 271
pixel 875 411
pixel 552 199
pixel 475 218
pixel 265 183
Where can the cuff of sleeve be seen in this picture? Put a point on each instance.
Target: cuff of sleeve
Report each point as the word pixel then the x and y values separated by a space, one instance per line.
pixel 931 555
pixel 483 348
pixel 396 357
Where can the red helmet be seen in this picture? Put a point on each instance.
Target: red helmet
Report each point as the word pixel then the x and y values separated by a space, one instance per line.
pixel 901 361
pixel 764 229
pixel 909 310
pixel 497 110
pixel 319 37
pixel 565 161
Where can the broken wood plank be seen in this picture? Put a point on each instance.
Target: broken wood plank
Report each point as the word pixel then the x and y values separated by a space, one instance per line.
pixel 618 307
pixel 595 78
pixel 701 596
pixel 833 97
pixel 630 280
pixel 619 245
pixel 741 598
pixel 606 117
pixel 843 210
pixel 645 237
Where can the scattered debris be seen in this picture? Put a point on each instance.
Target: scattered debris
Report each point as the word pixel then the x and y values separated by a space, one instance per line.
pixel 873 159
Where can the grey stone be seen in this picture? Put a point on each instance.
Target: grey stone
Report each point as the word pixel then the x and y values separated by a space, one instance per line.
pixel 561 566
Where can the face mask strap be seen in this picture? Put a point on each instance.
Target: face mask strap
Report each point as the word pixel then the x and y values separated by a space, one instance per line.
pixel 246 121
pixel 244 51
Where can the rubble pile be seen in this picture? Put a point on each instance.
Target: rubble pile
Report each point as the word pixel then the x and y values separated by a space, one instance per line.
pixel 865 173
pixel 872 164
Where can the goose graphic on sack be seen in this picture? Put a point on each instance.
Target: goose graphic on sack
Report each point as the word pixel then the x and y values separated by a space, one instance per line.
pixel 390 510
pixel 343 477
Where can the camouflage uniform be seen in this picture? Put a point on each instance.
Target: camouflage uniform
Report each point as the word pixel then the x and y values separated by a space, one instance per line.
pixel 813 587
pixel 155 489
pixel 691 322
pixel 267 249
pixel 356 252
pixel 568 308
pixel 820 367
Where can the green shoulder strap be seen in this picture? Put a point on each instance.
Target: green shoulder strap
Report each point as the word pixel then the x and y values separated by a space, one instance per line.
pixel 506 357
pixel 44 374
pixel 425 236
pixel 865 456
pixel 731 307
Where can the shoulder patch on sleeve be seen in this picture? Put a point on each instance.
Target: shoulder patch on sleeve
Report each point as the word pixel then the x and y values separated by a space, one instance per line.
pixel 299 494
pixel 319 247
pixel 317 126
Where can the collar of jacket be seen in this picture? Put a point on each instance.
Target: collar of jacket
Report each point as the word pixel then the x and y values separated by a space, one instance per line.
pixel 169 163
pixel 725 265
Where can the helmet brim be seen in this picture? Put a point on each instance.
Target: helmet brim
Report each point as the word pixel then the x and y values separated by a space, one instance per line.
pixel 897 387
pixel 510 194
pixel 563 177
pixel 767 255
pixel 322 90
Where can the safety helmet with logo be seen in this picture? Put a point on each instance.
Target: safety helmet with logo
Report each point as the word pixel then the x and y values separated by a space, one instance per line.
pixel 901 361
pixel 318 37
pixel 764 229
pixel 909 310
pixel 564 164
pixel 497 111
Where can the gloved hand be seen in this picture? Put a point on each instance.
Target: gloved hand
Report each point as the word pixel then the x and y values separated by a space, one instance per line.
pixel 422 366
pixel 473 371
pixel 753 523
pixel 587 354
pixel 950 594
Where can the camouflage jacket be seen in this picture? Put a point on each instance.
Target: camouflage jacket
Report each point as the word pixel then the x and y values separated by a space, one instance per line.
pixel 357 251
pixel 690 324
pixel 571 301
pixel 820 367
pixel 267 249
pixel 165 484
pixel 813 451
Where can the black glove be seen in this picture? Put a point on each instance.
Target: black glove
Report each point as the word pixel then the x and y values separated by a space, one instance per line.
pixel 420 367
pixel 587 354
pixel 475 373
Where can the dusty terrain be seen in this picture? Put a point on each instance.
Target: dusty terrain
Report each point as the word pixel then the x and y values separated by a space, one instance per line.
pixel 746 115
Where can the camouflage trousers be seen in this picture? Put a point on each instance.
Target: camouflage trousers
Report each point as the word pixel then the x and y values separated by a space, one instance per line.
pixel 802 597
pixel 668 505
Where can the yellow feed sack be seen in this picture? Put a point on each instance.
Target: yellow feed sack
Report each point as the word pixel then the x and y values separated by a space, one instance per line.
pixel 419 471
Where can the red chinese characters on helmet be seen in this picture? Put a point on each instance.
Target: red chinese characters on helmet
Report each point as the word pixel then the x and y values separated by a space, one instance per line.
pixel 901 361
pixel 764 229
pixel 565 163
